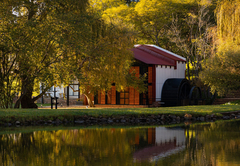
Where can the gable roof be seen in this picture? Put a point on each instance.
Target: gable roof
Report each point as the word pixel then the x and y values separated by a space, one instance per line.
pixel 149 58
pixel 151 54
pixel 165 52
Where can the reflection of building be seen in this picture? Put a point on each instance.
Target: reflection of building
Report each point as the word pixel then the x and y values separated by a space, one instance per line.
pixel 164 135
pixel 161 142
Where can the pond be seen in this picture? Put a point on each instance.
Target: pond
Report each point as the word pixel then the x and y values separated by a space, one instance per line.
pixel 195 144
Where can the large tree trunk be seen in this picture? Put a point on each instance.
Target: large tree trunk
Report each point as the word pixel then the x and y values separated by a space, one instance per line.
pixel 27 88
pixel 27 101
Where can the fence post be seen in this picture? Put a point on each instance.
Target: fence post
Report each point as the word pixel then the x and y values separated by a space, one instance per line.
pixel 67 95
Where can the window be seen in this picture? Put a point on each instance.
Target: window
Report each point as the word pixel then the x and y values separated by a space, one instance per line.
pixel 73 89
pixel 124 96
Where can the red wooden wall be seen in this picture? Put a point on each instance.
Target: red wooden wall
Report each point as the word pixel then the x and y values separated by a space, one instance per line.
pixel 113 96
pixel 133 94
pixel 150 87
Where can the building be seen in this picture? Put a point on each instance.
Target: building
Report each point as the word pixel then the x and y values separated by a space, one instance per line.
pixel 160 65
pixel 165 78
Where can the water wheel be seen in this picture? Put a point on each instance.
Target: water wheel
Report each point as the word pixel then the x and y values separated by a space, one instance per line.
pixel 207 96
pixel 195 96
pixel 175 92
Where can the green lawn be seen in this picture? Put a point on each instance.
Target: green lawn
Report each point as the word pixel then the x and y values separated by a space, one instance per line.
pixel 194 110
pixel 39 104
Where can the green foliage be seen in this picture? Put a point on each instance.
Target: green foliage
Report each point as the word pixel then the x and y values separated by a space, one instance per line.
pixel 192 35
pixel 9 54
pixel 103 5
pixel 36 32
pixel 53 42
pixel 151 19
pixel 227 13
pixel 179 26
pixel 221 72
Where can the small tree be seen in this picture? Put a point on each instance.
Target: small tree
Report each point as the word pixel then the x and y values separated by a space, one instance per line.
pixel 107 61
pixel 222 71
pixel 193 38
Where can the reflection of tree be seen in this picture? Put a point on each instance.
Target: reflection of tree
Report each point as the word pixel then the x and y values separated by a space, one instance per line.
pixel 68 147
pixel 222 142
pixel 213 144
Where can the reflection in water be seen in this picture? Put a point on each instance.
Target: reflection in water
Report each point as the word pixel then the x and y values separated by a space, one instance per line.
pixel 212 144
pixel 165 141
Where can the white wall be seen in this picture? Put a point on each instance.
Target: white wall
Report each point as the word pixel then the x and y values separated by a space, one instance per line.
pixel 163 73
pixel 59 90
pixel 75 93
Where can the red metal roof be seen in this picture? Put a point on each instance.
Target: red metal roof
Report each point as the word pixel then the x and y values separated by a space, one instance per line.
pixel 163 53
pixel 151 54
pixel 146 57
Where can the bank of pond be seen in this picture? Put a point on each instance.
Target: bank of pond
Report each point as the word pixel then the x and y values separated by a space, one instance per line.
pixel 208 143
pixel 130 116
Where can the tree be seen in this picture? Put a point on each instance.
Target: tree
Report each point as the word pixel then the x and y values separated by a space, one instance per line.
pixel 129 2
pixel 192 36
pixel 227 13
pixel 39 32
pixel 9 54
pixel 152 20
pixel 106 60
pixel 63 40
pixel 221 71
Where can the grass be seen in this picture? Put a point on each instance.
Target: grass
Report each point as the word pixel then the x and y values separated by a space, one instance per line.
pixel 194 110
pixel 39 104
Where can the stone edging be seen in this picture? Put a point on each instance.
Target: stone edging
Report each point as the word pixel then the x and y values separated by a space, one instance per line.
pixel 160 119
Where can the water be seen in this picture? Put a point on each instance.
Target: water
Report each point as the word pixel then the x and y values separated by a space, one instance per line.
pixel 208 144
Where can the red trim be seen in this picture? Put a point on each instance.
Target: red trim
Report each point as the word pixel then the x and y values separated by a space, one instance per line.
pixel 175 67
pixel 154 83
